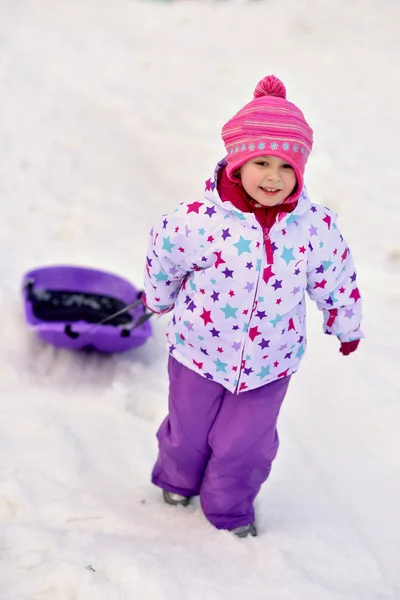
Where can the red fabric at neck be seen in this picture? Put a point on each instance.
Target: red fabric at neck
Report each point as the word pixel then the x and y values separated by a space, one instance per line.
pixel 234 193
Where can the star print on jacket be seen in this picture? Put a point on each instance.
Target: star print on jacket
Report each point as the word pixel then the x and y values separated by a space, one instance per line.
pixel 238 312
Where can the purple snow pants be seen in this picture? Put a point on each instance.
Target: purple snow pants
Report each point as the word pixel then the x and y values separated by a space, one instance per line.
pixel 218 444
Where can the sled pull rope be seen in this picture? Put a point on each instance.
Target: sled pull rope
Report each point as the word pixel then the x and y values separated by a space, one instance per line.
pixel 125 331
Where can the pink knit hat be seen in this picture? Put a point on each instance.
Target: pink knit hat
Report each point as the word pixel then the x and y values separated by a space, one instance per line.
pixel 268 125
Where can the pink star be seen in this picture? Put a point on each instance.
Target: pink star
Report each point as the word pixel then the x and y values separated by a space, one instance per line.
pixel 355 294
pixel 253 333
pixel 320 284
pixel 194 207
pixel 219 261
pixel 268 274
pixel 206 316
pixel 327 220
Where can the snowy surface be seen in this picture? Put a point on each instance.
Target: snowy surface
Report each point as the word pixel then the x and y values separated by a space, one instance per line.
pixel 110 114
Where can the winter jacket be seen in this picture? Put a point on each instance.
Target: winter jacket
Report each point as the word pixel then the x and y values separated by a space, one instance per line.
pixel 237 292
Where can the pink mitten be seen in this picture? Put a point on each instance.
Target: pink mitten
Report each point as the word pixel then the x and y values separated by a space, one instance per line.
pixel 347 348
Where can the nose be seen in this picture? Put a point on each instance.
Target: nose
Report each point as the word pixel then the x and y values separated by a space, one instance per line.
pixel 272 174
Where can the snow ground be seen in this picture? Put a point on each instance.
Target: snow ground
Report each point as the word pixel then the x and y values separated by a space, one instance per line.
pixel 110 114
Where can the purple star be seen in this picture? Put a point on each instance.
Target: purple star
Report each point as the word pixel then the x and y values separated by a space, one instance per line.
pixel 248 370
pixel 288 355
pixel 353 277
pixel 225 234
pixel 349 312
pixel 297 271
pixel 165 223
pixel 274 247
pixel 310 247
pixel 249 286
pixel 171 348
pixel 187 231
pixel 277 284
pixel 215 296
pixel 189 326
pixel 264 343
pixel 295 290
pixel 261 314
pixel 204 351
pixel 300 340
pixel 210 211
pixel 236 346
pixel 173 271
pixel 313 230
pixel 204 259
pixel 249 265
pixel 282 348
pixel 329 301
pixel 235 327
pixel 320 269
pixel 214 332
pixel 228 273
pixel 208 376
pixel 187 300
pixel 192 306
pixel 149 261
pixel 212 185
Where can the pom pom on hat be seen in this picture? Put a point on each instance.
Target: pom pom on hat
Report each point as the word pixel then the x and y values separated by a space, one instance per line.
pixel 269 125
pixel 270 86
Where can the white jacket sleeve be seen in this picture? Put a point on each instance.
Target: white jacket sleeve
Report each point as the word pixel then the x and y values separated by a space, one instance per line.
pixel 168 260
pixel 332 281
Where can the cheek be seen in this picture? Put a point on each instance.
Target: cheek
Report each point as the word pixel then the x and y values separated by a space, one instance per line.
pixel 291 180
pixel 249 181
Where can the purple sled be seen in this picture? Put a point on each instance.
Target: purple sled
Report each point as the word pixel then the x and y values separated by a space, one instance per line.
pixel 64 304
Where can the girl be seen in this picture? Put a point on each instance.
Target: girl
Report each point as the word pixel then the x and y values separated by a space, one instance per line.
pixel 233 268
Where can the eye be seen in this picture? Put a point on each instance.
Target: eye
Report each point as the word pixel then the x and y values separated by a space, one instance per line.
pixel 262 163
pixel 287 166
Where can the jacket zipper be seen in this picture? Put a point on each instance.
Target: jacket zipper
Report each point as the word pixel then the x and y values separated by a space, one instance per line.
pixel 268 248
pixel 265 234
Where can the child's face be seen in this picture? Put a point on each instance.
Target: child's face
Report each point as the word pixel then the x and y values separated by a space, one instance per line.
pixel 269 180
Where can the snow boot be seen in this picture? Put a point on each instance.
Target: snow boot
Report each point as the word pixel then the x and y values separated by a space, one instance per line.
pixel 245 531
pixel 175 499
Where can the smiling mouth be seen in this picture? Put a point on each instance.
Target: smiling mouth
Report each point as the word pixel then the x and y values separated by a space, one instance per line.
pixel 270 191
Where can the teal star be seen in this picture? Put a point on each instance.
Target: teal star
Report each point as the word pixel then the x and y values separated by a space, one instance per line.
pixel 167 244
pixel 291 219
pixel 264 372
pixel 221 366
pixel 242 245
pixel 239 215
pixel 258 264
pixel 275 321
pixel 161 276
pixel 229 311
pixel 200 338
pixel 321 244
pixel 178 339
pixel 248 357
pixel 193 285
pixel 300 351
pixel 202 231
pixel 287 255
pixel 260 299
pixel 326 264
